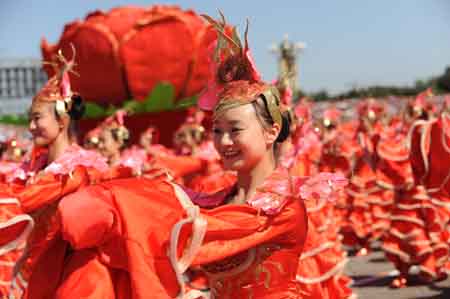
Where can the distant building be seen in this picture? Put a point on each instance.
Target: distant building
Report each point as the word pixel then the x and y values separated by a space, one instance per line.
pixel 20 80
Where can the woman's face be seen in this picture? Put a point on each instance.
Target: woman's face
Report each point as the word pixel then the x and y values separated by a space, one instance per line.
pixel 44 126
pixel 146 140
pixel 240 138
pixel 107 145
pixel 184 140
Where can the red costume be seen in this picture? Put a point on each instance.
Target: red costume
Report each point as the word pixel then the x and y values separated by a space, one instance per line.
pixel 45 254
pixel 363 192
pixel 430 152
pixel 321 264
pixel 255 242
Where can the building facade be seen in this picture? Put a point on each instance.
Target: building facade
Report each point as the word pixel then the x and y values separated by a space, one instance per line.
pixel 20 80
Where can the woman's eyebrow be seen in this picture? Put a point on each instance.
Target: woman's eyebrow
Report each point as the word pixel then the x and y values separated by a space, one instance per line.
pixel 234 122
pixel 231 122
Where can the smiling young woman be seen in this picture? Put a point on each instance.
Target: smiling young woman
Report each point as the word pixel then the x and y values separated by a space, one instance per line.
pixel 246 238
pixel 57 168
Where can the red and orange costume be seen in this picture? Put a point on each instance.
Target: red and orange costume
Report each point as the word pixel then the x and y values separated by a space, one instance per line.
pixel 35 189
pixel 321 264
pixel 430 152
pixel 363 192
pixel 247 249
pixel 39 194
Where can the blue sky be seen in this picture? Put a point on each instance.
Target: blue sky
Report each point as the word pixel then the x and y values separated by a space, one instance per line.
pixel 349 42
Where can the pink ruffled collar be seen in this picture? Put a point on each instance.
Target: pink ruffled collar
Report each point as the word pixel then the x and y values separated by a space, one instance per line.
pixel 278 189
pixel 133 158
pixel 73 156
pixel 76 156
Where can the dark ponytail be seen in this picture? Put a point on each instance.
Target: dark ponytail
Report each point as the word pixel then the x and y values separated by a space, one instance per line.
pixel 285 127
pixel 75 113
pixel 77 109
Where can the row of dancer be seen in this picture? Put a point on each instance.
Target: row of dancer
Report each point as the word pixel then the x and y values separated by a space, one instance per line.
pixel 398 191
pixel 236 210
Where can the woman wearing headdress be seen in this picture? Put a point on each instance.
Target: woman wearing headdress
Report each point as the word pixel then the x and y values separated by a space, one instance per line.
pixel 320 269
pixel 244 238
pixel 363 188
pixel 57 168
pixel 113 137
pixel 417 232
pixel 337 154
pixel 248 128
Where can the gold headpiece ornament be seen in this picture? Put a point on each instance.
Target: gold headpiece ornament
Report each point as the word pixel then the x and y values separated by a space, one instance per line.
pixel 58 88
pixel 234 80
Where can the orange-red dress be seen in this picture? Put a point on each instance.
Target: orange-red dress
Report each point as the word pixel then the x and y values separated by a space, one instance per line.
pixel 15 226
pixel 256 263
pixel 321 265
pixel 430 157
pixel 38 270
pixel 412 217
pixel 337 156
pixel 362 192
pixel 247 250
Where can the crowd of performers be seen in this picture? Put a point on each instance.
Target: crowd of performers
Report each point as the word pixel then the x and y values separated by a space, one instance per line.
pixel 259 206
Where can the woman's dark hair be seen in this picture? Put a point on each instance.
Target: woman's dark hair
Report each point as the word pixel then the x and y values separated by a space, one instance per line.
pixel 262 112
pixel 78 107
pixel 75 113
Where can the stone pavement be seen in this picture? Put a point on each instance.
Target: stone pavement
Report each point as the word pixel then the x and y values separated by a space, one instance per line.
pixel 373 274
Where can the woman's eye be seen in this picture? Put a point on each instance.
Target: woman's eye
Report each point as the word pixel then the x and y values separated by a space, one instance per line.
pixel 235 130
pixel 216 131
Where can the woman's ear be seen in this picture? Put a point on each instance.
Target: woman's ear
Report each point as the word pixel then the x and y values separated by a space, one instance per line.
pixel 272 133
pixel 64 121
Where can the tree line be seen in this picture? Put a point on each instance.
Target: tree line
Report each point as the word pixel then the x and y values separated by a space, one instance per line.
pixel 439 84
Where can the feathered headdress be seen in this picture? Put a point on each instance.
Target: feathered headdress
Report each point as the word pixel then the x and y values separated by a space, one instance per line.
pixel 234 79
pixel 92 138
pixel 58 88
pixel 192 125
pixel 421 102
pixel 371 109
pixel 117 122
pixel 331 116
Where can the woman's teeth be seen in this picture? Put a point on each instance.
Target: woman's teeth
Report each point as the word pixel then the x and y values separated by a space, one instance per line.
pixel 229 154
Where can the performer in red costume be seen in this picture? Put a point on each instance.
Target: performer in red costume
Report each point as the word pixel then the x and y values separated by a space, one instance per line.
pixel 56 168
pixel 429 156
pixel 244 239
pixel 322 262
pixel 363 191
pixel 181 163
pixel 237 139
pixel 113 140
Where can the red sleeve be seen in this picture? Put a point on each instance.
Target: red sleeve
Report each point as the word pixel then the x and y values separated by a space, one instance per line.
pixel 49 188
pixel 93 229
pixel 420 144
pixel 235 228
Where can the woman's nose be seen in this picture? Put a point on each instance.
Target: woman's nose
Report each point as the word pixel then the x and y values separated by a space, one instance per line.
pixel 226 139
pixel 31 125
